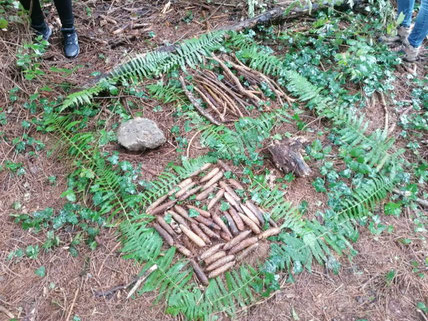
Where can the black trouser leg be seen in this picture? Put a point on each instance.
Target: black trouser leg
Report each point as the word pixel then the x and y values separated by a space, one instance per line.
pixel 64 8
pixel 65 12
pixel 37 18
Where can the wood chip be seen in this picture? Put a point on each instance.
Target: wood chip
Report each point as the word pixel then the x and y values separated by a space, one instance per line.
pixel 216 198
pixel 195 238
pixel 236 240
pixel 215 257
pixel 220 262
pixel 221 270
pixel 243 245
pixel 253 226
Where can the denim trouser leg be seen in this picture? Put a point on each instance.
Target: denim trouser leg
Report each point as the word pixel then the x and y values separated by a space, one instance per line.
pixel 406 7
pixel 420 30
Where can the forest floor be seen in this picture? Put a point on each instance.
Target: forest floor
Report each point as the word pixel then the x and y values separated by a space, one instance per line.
pixel 361 291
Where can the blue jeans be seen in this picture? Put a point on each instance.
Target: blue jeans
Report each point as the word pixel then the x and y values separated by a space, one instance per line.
pixel 420 30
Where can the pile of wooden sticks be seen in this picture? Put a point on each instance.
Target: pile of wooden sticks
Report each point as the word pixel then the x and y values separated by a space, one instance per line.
pixel 225 96
pixel 232 234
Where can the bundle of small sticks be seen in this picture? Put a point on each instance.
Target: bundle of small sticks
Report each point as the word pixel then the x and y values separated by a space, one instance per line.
pixel 232 235
pixel 227 95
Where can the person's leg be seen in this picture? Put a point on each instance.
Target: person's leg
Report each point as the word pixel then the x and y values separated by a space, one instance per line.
pixel 37 18
pixel 71 43
pixel 65 12
pixel 420 30
pixel 406 7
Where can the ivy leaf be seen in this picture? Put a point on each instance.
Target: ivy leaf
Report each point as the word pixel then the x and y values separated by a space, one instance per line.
pixel 193 212
pixel 224 206
pixel 41 271
pixel 392 208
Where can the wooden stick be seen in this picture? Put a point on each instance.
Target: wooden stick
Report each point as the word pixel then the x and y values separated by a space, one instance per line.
pixel 216 198
pixel 200 211
pixel 213 180
pixel 231 224
pixel 256 211
pixel 253 226
pixel 156 203
pixel 165 225
pixel 203 168
pixel 220 262
pixel 163 207
pixel 211 251
pixel 230 191
pixel 236 81
pixel 221 270
pixel 183 250
pixel 199 273
pixel 209 103
pixel 243 244
pixel 238 221
pixel 247 251
pixel 232 201
pixel 203 195
pixel 250 214
pixel 200 233
pixel 190 193
pixel 209 232
pixel 210 175
pixel 236 184
pixel 220 223
pixel 195 238
pixel 207 222
pixel 215 257
pixel 196 104
pixel 236 240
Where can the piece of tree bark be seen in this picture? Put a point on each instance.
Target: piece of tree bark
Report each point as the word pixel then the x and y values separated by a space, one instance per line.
pixel 286 155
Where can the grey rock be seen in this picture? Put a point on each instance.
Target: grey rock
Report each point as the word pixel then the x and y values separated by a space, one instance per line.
pixel 140 133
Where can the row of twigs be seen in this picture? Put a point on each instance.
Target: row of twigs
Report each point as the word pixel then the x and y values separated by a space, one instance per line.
pixel 232 235
pixel 233 93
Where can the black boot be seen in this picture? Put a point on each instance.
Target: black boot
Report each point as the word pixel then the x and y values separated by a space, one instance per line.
pixel 71 43
pixel 43 30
